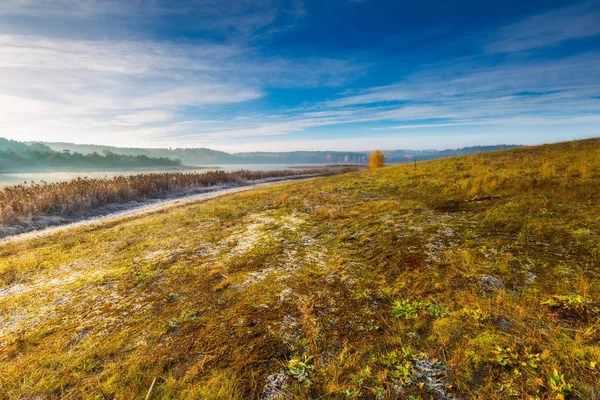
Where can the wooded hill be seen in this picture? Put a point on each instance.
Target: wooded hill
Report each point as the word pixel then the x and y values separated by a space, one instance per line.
pixel 204 156
pixel 17 156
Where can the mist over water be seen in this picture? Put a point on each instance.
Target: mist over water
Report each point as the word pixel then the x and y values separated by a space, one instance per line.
pixel 18 178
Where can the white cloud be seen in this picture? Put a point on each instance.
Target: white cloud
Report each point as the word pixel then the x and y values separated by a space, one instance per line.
pixel 70 8
pixel 520 121
pixel 67 86
pixel 550 28
pixel 146 117
pixel 91 76
pixel 465 94
pixel 122 57
pixel 139 92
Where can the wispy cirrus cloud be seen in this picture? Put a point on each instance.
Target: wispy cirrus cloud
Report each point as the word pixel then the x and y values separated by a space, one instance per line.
pixel 112 88
pixel 577 21
pixel 70 8
pixel 89 77
pixel 463 94
pixel 239 20
pixel 146 117
pixel 133 88
pixel 111 56
pixel 464 77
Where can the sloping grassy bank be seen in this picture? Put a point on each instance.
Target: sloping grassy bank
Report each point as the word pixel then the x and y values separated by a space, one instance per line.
pixel 25 208
pixel 472 277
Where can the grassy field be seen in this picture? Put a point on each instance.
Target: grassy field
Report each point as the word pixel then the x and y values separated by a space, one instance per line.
pixel 470 277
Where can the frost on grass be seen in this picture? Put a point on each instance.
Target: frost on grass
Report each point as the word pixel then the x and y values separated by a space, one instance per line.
pixel 276 386
pixel 262 231
pixel 289 329
pixel 53 292
pixel 490 284
pixel 408 370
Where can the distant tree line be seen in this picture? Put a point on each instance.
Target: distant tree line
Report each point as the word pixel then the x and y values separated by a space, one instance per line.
pixel 20 156
pixel 403 156
pixel 61 156
pixel 204 156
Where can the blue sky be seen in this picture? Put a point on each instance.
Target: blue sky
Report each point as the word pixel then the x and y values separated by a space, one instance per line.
pixel 242 75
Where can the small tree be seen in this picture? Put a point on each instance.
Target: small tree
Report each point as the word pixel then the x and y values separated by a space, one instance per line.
pixel 377 159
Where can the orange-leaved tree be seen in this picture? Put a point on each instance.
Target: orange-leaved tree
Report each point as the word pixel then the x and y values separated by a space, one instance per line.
pixel 377 159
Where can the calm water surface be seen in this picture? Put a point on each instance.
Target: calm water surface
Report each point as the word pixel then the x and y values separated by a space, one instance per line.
pixel 50 177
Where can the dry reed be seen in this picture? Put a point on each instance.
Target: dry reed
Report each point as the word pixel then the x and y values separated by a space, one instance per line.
pixel 22 202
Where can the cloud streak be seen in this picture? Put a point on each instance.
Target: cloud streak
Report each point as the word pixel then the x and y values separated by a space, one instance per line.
pixel 550 28
pixel 136 83
pixel 218 91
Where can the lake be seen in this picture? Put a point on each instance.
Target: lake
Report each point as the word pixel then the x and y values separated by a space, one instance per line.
pixel 17 178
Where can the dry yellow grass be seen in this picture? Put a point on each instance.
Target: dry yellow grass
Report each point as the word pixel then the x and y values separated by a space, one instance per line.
pixel 472 277
pixel 20 203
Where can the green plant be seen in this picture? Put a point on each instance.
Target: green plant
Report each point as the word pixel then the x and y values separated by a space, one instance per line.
pixel 352 393
pixel 559 387
pixel 172 296
pixel 410 309
pixel 508 389
pixel 302 368
pixel 509 357
pixel 477 315
pixel 378 392
pixel 363 375
pixel 400 365
pixel 437 310
pixel 573 306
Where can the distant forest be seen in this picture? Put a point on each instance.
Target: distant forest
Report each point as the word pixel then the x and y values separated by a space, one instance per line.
pixel 204 156
pixel 18 156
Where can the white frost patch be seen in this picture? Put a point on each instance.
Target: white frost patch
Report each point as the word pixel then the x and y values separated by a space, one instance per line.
pixel 448 232
pixel 259 228
pixel 163 255
pixel 285 294
pixel 254 233
pixel 154 254
pixel 254 278
pixel 48 283
pixel 263 228
pixel 53 291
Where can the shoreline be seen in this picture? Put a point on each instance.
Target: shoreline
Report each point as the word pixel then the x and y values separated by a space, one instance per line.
pixel 134 209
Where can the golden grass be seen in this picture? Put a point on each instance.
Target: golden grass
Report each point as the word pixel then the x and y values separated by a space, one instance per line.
pixel 472 277
pixel 23 202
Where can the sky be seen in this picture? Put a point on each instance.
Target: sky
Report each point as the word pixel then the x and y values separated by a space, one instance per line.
pixel 282 75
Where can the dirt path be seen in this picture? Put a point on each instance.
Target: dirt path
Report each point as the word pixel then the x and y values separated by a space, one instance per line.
pixel 150 207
